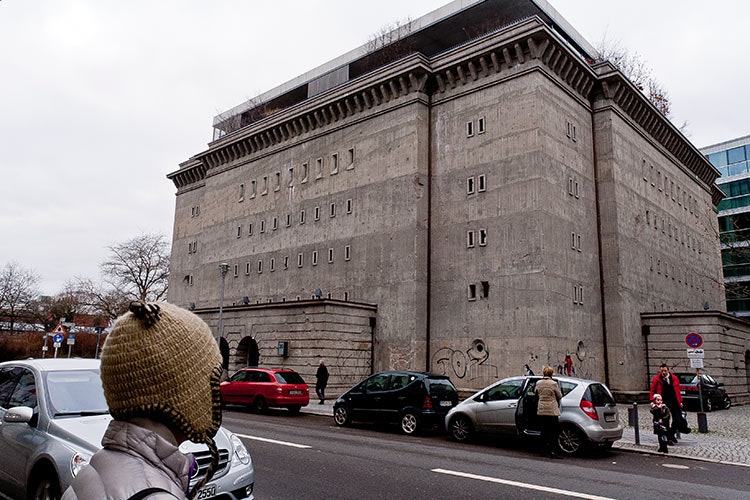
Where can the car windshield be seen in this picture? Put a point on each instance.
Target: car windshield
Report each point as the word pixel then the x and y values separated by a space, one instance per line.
pixel 288 378
pixel 599 395
pixel 686 378
pixel 75 393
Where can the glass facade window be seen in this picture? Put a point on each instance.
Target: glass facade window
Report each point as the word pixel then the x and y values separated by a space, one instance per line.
pixel 718 159
pixel 735 155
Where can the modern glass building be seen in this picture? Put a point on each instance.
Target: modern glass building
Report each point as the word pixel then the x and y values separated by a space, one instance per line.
pixel 732 159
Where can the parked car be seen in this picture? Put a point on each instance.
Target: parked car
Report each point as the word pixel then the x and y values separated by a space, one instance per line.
pixel 415 400
pixel 588 413
pixel 262 388
pixel 53 418
pixel 714 395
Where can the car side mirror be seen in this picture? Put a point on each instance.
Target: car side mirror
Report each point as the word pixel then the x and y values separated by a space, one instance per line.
pixel 19 414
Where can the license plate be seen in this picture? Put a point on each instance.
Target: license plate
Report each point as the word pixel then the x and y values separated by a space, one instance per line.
pixel 609 417
pixel 206 492
pixel 295 392
pixel 446 403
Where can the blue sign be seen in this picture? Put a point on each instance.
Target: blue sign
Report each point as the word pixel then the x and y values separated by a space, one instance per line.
pixel 57 338
pixel 694 340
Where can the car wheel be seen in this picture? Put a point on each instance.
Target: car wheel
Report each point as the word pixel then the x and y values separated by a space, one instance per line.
pixel 726 403
pixel 461 428
pixel 260 405
pixel 570 440
pixel 341 415
pixel 409 422
pixel 44 487
pixel 295 409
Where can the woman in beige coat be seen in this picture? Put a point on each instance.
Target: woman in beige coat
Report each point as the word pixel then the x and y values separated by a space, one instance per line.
pixel 548 410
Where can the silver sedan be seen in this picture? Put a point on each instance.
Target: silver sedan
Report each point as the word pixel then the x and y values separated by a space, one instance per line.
pixel 52 418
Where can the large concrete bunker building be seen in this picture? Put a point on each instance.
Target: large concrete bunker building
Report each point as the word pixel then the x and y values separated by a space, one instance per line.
pixel 470 194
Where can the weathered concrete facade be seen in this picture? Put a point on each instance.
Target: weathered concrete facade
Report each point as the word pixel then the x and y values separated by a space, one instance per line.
pixel 498 203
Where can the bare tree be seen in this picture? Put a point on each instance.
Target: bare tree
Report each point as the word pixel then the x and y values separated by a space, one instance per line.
pixel 139 268
pixel 637 71
pixel 100 299
pixel 18 290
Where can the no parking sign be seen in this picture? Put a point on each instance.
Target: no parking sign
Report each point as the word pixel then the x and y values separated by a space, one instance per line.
pixel 694 340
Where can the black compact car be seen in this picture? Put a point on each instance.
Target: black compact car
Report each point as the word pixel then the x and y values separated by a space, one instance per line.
pixel 713 394
pixel 414 400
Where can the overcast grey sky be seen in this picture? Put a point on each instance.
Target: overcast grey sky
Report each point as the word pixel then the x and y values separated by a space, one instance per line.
pixel 101 99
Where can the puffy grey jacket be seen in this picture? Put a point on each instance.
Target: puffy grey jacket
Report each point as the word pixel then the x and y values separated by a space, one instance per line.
pixel 132 459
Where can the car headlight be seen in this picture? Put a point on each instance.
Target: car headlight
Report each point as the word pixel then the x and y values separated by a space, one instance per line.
pixel 78 462
pixel 240 452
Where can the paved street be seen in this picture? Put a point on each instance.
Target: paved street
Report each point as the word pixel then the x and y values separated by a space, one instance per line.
pixel 727 439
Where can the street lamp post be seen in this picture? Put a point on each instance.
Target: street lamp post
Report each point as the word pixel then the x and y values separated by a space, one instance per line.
pixel 224 268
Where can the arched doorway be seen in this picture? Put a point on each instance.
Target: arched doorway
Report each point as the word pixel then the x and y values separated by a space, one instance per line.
pixel 224 350
pixel 247 353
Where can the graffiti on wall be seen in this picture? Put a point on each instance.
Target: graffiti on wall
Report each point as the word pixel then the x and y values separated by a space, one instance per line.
pixel 401 359
pixel 576 363
pixel 472 363
pixel 352 366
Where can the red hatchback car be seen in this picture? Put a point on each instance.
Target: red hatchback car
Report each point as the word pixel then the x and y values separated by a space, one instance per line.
pixel 262 388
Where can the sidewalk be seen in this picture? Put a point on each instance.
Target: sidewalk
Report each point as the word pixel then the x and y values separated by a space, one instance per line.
pixel 727 440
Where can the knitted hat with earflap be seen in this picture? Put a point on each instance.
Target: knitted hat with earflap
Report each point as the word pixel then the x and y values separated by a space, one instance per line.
pixel 161 362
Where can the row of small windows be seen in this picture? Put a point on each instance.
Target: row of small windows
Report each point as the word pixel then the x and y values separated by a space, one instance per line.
pixel 302 218
pixel 476 184
pixel 192 247
pixel 570 130
pixel 667 269
pixel 474 238
pixel 285 261
pixel 666 185
pixel 481 127
pixel 195 211
pixel 478 290
pixel 274 182
pixel 573 188
pixel 673 231
pixel 578 295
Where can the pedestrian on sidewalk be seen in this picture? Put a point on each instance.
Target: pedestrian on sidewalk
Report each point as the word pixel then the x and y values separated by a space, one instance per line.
pixel 667 385
pixel 548 411
pixel 321 380
pixel 661 414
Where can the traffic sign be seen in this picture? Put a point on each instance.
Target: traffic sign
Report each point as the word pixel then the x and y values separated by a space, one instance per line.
pixel 694 340
pixel 695 353
pixel 57 338
pixel 696 363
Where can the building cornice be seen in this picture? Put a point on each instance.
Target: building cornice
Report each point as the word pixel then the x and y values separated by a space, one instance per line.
pixel 508 50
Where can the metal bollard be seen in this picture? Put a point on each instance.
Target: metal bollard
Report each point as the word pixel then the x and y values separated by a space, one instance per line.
pixel 702 422
pixel 633 422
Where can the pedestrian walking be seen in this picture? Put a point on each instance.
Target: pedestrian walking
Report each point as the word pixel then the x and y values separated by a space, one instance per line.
pixel 160 370
pixel 662 416
pixel 548 411
pixel 321 380
pixel 667 385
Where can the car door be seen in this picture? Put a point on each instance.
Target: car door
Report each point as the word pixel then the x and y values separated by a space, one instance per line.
pixel 20 440
pixel 496 408
pixel 236 390
pixel 369 402
pixel 394 397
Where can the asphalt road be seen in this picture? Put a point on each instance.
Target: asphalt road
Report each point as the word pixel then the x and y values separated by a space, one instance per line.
pixel 306 456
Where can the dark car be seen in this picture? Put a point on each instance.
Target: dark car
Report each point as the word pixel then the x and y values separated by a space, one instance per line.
pixel 588 413
pixel 414 400
pixel 714 395
pixel 262 388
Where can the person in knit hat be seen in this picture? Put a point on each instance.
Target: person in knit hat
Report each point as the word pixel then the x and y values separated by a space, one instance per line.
pixel 160 370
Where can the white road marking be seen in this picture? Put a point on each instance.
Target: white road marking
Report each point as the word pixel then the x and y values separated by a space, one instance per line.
pixel 675 466
pixel 274 441
pixel 521 485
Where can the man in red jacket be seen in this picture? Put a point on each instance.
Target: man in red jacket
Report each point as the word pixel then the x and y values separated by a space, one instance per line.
pixel 667 384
